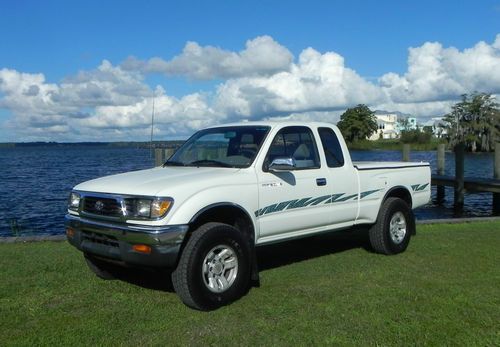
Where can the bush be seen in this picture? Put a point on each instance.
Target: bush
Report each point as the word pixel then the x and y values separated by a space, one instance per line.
pixel 415 136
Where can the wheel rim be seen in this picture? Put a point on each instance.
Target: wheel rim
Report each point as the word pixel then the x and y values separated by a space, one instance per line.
pixel 397 227
pixel 220 268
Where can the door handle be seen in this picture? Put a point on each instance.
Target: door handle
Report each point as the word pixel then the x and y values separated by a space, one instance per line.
pixel 321 181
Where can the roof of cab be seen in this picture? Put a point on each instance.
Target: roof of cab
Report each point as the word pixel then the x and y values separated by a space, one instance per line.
pixel 273 124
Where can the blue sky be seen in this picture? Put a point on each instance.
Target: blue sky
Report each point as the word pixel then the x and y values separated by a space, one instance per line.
pixel 59 39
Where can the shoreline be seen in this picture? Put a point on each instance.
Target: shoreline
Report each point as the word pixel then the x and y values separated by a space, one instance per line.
pixel 62 237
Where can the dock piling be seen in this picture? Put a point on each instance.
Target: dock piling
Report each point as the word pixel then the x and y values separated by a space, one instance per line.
pixel 406 152
pixel 168 153
pixel 459 175
pixel 496 175
pixel 158 156
pixel 163 154
pixel 440 171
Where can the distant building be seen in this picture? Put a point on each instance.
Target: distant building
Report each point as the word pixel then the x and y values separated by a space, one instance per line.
pixel 387 127
pixel 437 125
pixel 408 123
pixel 391 124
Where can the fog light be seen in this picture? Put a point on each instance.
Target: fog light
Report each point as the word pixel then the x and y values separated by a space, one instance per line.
pixel 70 232
pixel 142 249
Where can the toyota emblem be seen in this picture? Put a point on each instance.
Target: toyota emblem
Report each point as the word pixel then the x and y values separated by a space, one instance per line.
pixel 99 205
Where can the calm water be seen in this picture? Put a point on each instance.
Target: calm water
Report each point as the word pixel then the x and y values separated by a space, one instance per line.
pixel 35 181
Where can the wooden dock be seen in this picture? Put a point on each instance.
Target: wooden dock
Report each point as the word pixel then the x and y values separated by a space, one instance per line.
pixel 473 185
pixel 463 184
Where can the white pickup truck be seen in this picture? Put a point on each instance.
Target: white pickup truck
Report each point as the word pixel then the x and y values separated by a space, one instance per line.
pixel 231 188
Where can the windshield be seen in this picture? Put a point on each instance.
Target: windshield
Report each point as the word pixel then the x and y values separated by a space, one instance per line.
pixel 234 147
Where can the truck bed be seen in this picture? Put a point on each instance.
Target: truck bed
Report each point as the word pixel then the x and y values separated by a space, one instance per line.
pixel 377 165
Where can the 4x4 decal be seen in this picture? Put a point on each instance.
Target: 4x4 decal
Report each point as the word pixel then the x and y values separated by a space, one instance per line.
pixel 310 201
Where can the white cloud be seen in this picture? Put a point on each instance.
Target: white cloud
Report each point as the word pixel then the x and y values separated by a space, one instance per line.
pixel 436 73
pixel 262 81
pixel 318 82
pixel 172 116
pixel 262 56
pixel 104 104
pixel 19 92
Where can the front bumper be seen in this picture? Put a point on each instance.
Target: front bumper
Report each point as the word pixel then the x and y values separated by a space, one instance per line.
pixel 114 242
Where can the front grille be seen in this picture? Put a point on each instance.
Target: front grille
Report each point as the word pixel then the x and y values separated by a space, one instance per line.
pixel 99 238
pixel 102 206
pixel 130 206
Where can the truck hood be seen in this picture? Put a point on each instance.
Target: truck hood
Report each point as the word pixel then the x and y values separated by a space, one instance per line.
pixel 153 182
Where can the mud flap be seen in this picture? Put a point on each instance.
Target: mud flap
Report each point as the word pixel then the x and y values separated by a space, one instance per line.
pixel 255 278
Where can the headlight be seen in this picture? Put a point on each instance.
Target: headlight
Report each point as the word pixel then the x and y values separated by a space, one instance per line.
pixel 143 208
pixel 74 201
pixel 151 208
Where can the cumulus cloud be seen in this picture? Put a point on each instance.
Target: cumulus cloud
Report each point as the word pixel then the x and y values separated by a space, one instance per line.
pixel 107 103
pixel 318 82
pixel 263 81
pixel 172 116
pixel 261 56
pixel 436 73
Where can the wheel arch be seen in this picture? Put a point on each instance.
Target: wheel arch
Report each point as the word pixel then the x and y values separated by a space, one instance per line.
pixel 399 192
pixel 404 194
pixel 232 214
pixel 228 213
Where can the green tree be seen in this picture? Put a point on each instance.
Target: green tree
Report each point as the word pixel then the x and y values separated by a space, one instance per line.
pixel 404 124
pixel 475 121
pixel 417 135
pixel 357 123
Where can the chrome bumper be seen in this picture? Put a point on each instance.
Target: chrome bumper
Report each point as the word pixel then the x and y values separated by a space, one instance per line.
pixel 115 241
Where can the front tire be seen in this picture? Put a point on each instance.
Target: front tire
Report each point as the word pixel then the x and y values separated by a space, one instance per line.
pixel 394 227
pixel 214 268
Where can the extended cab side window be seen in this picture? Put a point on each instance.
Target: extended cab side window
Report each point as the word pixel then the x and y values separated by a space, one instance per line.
pixel 331 146
pixel 294 142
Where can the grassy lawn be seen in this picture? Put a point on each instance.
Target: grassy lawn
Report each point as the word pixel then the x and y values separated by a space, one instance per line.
pixel 444 290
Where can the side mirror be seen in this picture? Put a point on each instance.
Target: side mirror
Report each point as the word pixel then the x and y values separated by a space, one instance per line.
pixel 282 164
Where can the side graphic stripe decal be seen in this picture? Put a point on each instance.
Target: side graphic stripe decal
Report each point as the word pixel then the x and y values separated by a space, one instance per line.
pixel 325 199
pixel 310 201
pixel 419 187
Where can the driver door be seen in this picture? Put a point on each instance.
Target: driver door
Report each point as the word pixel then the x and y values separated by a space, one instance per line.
pixel 293 200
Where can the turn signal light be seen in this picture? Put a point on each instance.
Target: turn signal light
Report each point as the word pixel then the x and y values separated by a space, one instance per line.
pixel 70 232
pixel 142 249
pixel 160 207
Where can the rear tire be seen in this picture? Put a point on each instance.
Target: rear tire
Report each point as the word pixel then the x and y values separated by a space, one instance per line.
pixel 98 267
pixel 214 268
pixel 395 224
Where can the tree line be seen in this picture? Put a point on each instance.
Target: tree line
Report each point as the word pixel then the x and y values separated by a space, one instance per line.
pixel 474 121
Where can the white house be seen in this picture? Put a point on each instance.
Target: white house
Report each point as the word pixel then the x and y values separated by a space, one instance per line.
pixel 437 125
pixel 387 126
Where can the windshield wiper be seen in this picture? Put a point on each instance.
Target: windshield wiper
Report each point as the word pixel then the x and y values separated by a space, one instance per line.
pixel 174 163
pixel 210 162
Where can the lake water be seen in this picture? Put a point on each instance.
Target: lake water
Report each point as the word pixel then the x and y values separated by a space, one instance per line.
pixel 35 182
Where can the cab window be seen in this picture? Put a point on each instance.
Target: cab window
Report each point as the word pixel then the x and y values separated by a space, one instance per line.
pixel 294 142
pixel 332 148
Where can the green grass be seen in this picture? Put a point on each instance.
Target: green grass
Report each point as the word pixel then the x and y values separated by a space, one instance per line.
pixel 444 290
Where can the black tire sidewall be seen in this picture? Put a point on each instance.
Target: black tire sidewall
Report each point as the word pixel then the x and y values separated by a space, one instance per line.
pixel 394 206
pixel 218 235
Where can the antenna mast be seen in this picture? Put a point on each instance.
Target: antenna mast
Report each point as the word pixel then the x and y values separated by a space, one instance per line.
pixel 152 125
